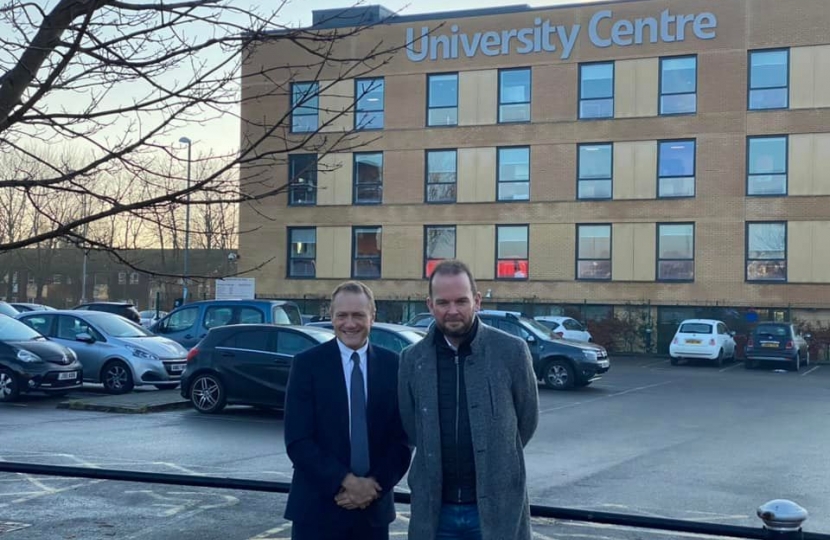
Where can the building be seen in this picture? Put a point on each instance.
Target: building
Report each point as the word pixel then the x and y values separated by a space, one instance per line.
pixel 664 154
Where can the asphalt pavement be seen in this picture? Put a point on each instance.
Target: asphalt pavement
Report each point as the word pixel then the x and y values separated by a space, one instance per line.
pixel 688 442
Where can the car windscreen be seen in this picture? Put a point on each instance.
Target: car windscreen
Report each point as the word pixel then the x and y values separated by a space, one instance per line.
pixel 774 330
pixel 14 330
pixel 695 328
pixel 117 326
pixel 539 329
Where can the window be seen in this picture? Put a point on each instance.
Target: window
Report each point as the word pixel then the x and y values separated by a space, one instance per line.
pixel 514 174
pixel 441 176
pixel 769 77
pixel 57 279
pixel 251 340
pixel 439 244
pixel 366 249
pixel 368 178
pixel 134 278
pixel 514 95
pixel 676 166
pixel 369 94
pixel 302 252
pixel 766 166
pixel 766 251
pixel 304 107
pixel 593 257
pixel 292 343
pixel 511 252
pixel 596 90
pixel 595 171
pixel 676 252
pixel 216 316
pixel 122 278
pixel 678 85
pixel 442 99
pixel 302 180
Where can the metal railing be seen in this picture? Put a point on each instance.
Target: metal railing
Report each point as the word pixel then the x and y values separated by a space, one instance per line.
pixel 782 519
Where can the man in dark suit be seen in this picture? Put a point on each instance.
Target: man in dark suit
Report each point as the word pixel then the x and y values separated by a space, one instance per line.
pixel 343 430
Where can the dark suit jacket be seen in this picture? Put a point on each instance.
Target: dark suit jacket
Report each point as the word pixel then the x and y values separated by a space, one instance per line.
pixel 317 436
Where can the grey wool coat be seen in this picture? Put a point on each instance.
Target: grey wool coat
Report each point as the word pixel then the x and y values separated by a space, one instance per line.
pixel 503 405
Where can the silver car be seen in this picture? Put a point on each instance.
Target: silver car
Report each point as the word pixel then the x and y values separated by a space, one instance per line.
pixel 113 351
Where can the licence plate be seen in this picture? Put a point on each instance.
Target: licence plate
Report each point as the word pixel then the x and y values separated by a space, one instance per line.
pixel 770 344
pixel 68 376
pixel 604 363
pixel 693 341
pixel 177 367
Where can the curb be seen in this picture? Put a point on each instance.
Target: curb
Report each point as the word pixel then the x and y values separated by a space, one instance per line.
pixel 124 409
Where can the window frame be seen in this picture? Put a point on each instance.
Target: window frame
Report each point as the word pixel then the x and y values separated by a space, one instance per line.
pixel 580 99
pixel 424 252
pixel 427 171
pixel 610 258
pixel 312 189
pixel 660 143
pixel 526 227
pixel 289 258
pixel 354 258
pixel 658 259
pixel 457 99
pixel 749 175
pixel 294 106
pixel 579 178
pixel 529 101
pixel 357 110
pixel 749 88
pixel 355 183
pixel 747 260
pixel 660 85
pixel 499 181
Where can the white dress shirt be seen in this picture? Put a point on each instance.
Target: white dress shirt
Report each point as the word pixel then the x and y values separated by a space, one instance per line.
pixel 348 367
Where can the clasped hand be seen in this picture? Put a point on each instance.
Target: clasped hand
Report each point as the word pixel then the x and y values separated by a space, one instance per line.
pixel 357 492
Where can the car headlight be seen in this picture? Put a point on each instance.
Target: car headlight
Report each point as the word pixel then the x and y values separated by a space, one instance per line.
pixel 144 355
pixel 26 356
pixel 71 355
pixel 590 355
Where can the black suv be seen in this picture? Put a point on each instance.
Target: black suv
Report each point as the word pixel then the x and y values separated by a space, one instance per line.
pixel 559 363
pixel 125 309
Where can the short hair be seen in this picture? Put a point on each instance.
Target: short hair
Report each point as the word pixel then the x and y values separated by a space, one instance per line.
pixel 355 287
pixel 452 267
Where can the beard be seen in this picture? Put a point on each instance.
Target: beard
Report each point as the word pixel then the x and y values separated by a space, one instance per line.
pixel 456 331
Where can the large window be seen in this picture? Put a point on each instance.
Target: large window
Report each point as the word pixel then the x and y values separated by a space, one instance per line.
pixel 305 106
pixel 514 174
pixel 368 178
pixel 302 181
pixel 366 252
pixel 676 168
pixel 766 166
pixel 676 252
pixel 593 255
pixel 369 103
pixel 678 85
pixel 594 175
pixel 439 244
pixel 302 252
pixel 766 251
pixel 511 252
pixel 596 90
pixel 769 78
pixel 514 95
pixel 442 170
pixel 442 99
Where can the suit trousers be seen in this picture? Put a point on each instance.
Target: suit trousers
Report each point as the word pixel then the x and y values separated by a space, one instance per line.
pixel 312 531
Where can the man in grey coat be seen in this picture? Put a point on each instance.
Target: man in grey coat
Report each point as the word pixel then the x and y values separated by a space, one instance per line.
pixel 469 404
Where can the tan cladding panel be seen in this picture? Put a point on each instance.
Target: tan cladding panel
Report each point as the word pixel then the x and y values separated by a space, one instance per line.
pixel 476 245
pixel 334 252
pixel 633 251
pixel 808 252
pixel 635 88
pixel 336 103
pixel 334 180
pixel 808 171
pixel 477 97
pixel 553 251
pixel 810 77
pixel 635 170
pixel 476 175
pixel 402 252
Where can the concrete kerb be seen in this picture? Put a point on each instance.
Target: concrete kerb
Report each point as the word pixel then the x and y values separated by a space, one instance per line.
pixel 133 403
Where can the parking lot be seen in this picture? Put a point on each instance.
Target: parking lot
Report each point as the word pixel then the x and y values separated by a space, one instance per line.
pixel 689 442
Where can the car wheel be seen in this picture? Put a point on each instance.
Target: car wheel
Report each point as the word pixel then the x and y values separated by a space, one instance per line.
pixel 719 360
pixel 559 375
pixel 207 393
pixel 797 365
pixel 9 389
pixel 168 386
pixel 808 358
pixel 117 377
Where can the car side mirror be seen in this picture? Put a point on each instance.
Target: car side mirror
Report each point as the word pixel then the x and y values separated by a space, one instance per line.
pixel 732 333
pixel 85 337
pixel 531 339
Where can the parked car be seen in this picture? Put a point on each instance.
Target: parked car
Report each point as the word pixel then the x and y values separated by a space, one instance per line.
pixel 245 364
pixel 149 317
pixel 702 339
pixel 23 307
pixel 395 337
pixel 777 342
pixel 124 309
pixel 190 323
pixel 566 327
pixel 7 309
pixel 29 362
pixel 113 351
pixel 559 363
pixel 421 320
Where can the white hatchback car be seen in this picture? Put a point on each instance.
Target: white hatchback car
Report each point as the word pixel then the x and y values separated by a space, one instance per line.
pixel 566 328
pixel 704 339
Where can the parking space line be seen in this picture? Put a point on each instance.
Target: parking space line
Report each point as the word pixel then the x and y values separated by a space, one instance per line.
pixel 727 368
pixel 624 392
pixel 810 371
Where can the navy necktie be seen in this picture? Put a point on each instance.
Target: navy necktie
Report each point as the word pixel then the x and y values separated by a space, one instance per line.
pixel 360 430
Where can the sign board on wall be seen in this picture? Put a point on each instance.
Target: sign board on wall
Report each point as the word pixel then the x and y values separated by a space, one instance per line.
pixel 236 289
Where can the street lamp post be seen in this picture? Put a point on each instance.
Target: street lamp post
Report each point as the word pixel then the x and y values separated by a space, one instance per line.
pixel 189 143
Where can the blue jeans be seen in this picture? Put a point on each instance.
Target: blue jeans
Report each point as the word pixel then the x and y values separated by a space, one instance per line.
pixel 459 522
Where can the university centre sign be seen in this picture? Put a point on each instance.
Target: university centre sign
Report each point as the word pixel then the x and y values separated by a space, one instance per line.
pixel 603 31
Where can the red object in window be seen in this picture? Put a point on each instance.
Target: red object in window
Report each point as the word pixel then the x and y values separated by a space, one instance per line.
pixel 517 269
pixel 431 264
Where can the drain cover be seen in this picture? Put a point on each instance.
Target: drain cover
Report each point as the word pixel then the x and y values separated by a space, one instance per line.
pixel 10 526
